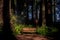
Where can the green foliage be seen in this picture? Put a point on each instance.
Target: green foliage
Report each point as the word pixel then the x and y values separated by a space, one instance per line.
pixel 46 30
pixel 18 28
pixel 29 26
pixel 54 29
pixel 42 30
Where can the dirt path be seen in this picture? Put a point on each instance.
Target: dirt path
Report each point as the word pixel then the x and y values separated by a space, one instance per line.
pixel 32 37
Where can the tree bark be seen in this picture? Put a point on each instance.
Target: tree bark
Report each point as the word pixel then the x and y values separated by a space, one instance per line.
pixel 43 14
pixel 7 32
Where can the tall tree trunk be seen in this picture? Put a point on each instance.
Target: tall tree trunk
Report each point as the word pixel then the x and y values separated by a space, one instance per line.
pixel 43 14
pixel 7 32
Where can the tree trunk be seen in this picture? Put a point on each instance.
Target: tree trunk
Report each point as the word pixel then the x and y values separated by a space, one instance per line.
pixel 43 14
pixel 7 32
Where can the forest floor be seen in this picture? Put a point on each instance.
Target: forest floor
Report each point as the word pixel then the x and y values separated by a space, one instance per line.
pixel 32 37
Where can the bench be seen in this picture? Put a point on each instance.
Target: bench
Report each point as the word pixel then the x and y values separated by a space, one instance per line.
pixel 28 30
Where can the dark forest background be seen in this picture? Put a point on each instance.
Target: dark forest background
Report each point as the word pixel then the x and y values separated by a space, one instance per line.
pixel 6 28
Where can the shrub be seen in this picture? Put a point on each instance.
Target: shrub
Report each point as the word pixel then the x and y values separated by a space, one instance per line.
pixel 18 28
pixel 46 30
pixel 42 30
pixel 54 29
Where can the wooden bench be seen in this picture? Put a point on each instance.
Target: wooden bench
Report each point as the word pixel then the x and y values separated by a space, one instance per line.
pixel 29 30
